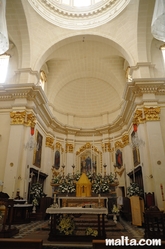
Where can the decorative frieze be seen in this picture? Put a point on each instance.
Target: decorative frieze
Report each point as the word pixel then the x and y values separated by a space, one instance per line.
pixel 67 15
pixel 49 142
pixel 152 114
pixel 106 147
pixel 17 118
pixel 87 146
pixel 69 148
pixel 125 139
pixel 23 118
pixel 146 114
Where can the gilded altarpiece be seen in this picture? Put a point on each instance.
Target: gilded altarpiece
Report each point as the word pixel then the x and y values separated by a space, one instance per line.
pixel 89 159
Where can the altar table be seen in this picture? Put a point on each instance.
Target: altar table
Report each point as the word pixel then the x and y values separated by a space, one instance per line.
pixel 76 210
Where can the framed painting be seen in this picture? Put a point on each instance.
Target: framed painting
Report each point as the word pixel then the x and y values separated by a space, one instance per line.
pixel 38 149
pixel 57 160
pixel 119 159
pixel 136 156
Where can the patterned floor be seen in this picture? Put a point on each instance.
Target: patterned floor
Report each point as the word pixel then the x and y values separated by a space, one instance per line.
pixel 26 229
pixel 38 226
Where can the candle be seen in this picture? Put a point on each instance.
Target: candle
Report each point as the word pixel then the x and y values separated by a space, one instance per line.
pixel 54 198
pixel 64 153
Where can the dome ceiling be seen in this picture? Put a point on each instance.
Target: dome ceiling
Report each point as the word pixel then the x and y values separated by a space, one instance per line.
pixel 77 14
pixel 86 78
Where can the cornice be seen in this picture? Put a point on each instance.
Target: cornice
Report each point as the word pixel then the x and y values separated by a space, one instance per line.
pixel 71 17
pixel 38 103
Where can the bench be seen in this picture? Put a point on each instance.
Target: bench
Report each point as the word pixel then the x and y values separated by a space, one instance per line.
pixel 21 243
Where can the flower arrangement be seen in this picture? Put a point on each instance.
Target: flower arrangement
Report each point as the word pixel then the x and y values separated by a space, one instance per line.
pixel 67 185
pixel 115 209
pixel 91 232
pixel 134 189
pixel 36 192
pixel 57 179
pixel 102 184
pixel 66 225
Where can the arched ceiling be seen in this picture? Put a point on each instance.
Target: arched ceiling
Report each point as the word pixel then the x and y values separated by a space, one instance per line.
pixel 86 77
pixel 85 72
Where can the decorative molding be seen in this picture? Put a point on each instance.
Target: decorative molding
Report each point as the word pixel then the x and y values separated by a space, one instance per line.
pixel 71 17
pixel 152 113
pixel 106 147
pixel 58 146
pixel 125 139
pixel 87 146
pixel 22 118
pixel 69 148
pixel 125 142
pixel 17 118
pixel 146 114
pixel 49 142
pixel 40 108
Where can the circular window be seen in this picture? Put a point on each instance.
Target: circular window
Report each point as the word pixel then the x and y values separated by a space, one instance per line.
pixel 78 14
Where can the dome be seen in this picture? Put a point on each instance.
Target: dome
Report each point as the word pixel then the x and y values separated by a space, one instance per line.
pixel 77 14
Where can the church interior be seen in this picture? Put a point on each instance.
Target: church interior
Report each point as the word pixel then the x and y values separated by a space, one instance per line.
pixel 82 111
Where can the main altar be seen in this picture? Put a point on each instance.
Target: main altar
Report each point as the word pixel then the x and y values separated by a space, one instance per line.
pixel 82 195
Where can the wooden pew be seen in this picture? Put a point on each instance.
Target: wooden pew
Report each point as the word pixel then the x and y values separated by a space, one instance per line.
pixel 21 243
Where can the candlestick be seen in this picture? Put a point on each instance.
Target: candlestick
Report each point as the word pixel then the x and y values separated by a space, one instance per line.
pixel 54 198
pixel 38 176
pixel 73 166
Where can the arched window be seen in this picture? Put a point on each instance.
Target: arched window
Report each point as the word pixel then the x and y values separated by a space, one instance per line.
pixel 4 61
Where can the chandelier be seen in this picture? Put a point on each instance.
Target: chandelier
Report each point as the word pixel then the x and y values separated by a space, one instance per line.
pixel 158 20
pixel 4 41
pixel 136 142
pixel 31 144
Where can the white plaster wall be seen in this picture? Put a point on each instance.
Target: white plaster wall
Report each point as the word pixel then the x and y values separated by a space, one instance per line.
pixel 4 139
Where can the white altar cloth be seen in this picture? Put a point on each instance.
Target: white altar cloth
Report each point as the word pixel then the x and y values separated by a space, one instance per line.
pixel 76 210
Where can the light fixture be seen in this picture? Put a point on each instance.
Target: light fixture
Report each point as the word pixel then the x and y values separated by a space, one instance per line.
pixel 158 21
pixel 136 142
pixel 31 144
pixel 4 41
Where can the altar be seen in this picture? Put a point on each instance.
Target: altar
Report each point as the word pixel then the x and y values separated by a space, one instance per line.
pixel 54 212
pixel 90 202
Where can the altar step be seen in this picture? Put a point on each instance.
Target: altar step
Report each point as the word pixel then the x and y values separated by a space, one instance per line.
pixel 85 221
